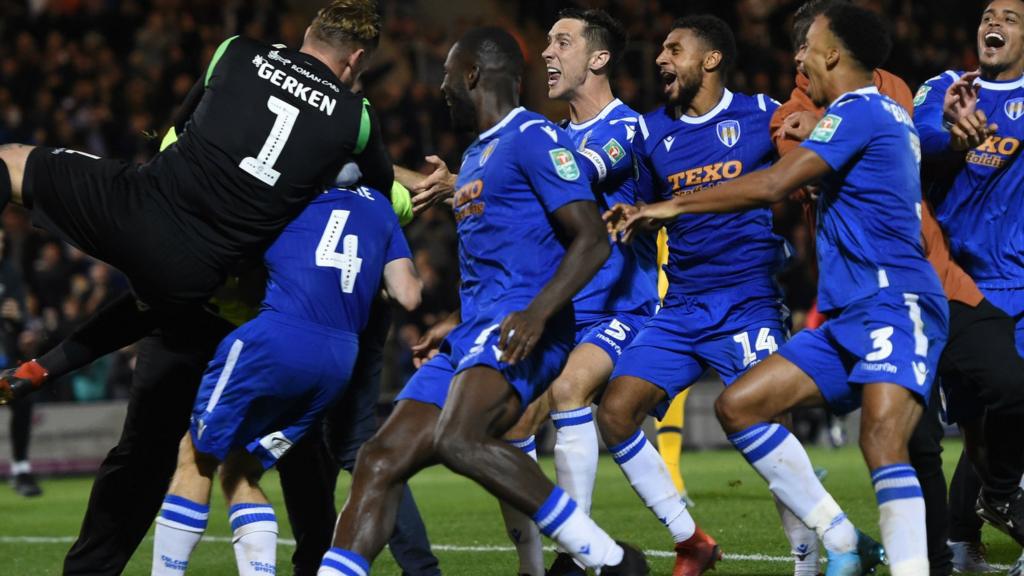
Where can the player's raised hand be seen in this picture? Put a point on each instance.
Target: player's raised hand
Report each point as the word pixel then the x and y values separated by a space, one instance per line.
pixel 799 125
pixel 438 186
pixel 971 131
pixel 520 332
pixel 961 98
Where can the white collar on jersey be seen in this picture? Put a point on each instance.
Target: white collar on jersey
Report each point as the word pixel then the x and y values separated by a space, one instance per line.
pixel 722 105
pixel 865 90
pixel 600 116
pixel 1005 85
pixel 508 118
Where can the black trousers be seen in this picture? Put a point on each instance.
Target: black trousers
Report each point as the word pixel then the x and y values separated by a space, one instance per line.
pixel 133 479
pixel 964 524
pixel 21 428
pixel 309 471
pixel 983 378
pixel 926 457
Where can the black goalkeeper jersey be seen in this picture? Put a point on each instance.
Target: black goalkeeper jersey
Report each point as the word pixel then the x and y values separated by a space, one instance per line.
pixel 271 129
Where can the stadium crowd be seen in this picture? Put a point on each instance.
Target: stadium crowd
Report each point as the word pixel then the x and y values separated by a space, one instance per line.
pixel 114 71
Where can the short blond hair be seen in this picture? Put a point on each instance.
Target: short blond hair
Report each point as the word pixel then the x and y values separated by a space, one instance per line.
pixel 343 22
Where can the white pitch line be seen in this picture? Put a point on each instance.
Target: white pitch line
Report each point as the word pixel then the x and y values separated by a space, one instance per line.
pixel 436 547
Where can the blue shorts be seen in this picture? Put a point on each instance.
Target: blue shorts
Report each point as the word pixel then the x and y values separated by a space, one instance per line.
pixel 890 337
pixel 268 382
pixel 1012 302
pixel 728 332
pixel 474 342
pixel 610 332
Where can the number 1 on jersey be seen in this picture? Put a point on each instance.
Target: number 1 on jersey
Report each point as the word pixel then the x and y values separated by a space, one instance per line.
pixel 262 166
pixel 347 261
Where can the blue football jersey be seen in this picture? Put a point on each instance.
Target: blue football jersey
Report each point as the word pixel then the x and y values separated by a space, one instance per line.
pixel 869 207
pixel 980 205
pixel 680 156
pixel 628 280
pixel 327 264
pixel 512 179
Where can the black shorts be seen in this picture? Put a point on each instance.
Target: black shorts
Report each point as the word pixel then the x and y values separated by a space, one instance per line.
pixel 980 367
pixel 115 212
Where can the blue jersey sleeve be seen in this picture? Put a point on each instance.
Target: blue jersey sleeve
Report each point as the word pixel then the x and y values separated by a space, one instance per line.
pixel 928 116
pixel 643 176
pixel 549 164
pixel 844 131
pixel 767 104
pixel 608 155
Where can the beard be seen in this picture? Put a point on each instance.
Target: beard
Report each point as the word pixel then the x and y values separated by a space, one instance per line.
pixel 462 111
pixel 689 86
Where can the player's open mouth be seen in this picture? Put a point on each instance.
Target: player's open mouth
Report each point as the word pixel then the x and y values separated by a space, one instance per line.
pixel 553 76
pixel 668 79
pixel 994 40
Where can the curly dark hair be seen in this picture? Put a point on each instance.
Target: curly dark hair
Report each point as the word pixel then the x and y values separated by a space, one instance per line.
pixel 715 32
pixel 862 32
pixel 602 32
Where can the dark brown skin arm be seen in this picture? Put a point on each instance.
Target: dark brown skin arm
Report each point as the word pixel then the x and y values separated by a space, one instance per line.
pixel 520 331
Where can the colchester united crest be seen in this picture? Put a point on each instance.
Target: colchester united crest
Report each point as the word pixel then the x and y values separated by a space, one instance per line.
pixel 728 132
pixel 486 155
pixel 1014 108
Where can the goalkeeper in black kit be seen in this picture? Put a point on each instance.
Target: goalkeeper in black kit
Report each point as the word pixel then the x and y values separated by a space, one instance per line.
pixel 262 132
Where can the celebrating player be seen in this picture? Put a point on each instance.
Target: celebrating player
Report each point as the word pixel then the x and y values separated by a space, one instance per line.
pixel 529 239
pixel 979 207
pixel 889 317
pixel 267 129
pixel 723 308
pixel 583 47
pixel 273 376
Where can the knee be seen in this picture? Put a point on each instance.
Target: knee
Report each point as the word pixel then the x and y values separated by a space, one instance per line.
pixel 730 413
pixel 376 459
pixel 567 395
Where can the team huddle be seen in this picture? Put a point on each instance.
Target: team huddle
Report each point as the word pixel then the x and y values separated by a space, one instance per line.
pixel 274 162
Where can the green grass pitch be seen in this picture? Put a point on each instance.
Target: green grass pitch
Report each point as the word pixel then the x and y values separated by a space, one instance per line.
pixel 464 525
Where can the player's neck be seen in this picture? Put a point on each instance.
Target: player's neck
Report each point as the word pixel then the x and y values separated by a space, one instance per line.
pixel 708 96
pixel 591 98
pixel 491 109
pixel 1004 74
pixel 323 57
pixel 848 81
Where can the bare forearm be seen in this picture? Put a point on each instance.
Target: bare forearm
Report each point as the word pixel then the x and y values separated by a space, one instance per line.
pixel 408 178
pixel 752 191
pixel 581 262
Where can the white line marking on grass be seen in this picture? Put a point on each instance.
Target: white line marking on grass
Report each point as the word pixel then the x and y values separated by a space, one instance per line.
pixel 435 547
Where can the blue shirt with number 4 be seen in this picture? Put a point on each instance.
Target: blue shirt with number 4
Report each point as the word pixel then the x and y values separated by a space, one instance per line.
pixel 327 264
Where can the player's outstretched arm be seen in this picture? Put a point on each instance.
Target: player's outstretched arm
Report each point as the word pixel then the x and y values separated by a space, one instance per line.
pixel 402 283
pixel 428 189
pixel 520 331
pixel 796 169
